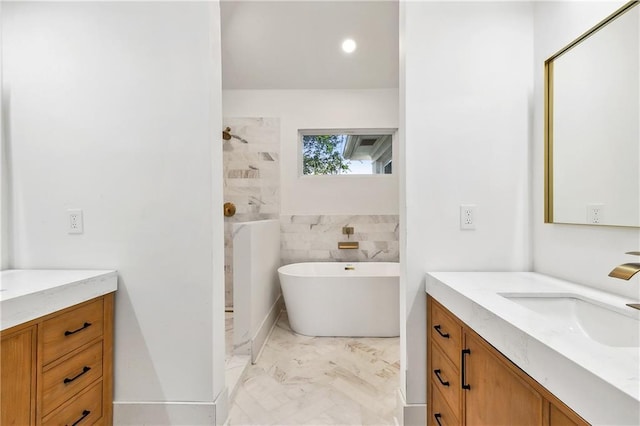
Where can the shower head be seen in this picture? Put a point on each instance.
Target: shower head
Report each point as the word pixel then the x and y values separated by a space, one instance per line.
pixel 226 135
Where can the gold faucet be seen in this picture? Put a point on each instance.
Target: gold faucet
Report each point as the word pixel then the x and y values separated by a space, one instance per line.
pixel 625 272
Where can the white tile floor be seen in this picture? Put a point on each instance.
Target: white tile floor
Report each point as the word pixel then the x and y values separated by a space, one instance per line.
pixel 300 380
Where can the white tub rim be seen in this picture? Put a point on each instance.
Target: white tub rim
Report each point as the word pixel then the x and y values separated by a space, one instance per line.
pixel 298 270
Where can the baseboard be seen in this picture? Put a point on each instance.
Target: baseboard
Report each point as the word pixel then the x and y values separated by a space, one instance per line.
pixel 414 415
pixel 221 407
pixel 411 414
pixel 165 413
pixel 265 329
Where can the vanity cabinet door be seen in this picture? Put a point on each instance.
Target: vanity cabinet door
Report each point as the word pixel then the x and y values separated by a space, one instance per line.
pixel 496 394
pixel 18 374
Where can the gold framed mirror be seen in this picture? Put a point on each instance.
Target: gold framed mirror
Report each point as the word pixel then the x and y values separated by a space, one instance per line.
pixel 592 125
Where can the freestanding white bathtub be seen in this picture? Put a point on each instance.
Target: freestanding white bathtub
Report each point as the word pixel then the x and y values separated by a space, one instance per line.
pixel 332 299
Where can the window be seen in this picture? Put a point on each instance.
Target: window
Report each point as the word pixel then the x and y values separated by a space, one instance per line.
pixel 346 152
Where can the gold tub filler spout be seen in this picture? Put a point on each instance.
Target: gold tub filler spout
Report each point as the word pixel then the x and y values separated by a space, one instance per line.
pixel 348 231
pixel 348 245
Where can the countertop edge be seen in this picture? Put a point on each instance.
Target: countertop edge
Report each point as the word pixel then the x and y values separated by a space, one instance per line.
pixel 31 306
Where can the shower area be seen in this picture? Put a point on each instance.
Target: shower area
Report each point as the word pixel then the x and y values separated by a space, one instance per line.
pixel 251 160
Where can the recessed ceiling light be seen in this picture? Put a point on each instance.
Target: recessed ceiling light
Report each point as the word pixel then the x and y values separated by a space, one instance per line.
pixel 349 45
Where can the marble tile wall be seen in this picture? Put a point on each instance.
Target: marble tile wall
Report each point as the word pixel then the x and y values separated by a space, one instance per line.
pixel 315 238
pixel 251 161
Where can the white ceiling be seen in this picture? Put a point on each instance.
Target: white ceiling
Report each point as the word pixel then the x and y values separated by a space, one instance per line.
pixel 296 44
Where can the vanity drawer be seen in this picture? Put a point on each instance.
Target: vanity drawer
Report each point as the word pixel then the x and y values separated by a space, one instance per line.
pixel 72 329
pixel 441 414
pixel 442 370
pixel 69 377
pixel 86 409
pixel 446 333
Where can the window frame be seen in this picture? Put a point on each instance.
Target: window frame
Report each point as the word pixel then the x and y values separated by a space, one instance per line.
pixel 392 132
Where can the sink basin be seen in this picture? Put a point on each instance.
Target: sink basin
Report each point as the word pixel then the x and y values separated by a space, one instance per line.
pixel 608 325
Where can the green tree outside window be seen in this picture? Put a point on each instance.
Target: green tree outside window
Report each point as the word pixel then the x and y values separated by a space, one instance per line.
pixel 322 155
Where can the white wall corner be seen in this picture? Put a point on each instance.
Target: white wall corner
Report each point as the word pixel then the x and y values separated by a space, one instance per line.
pixel 5 179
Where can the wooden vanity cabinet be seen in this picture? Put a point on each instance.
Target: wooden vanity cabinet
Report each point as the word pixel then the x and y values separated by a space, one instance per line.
pixel 18 376
pixel 58 369
pixel 497 394
pixel 470 383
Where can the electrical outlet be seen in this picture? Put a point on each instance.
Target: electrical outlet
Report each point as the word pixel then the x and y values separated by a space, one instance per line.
pixel 595 213
pixel 75 225
pixel 467 216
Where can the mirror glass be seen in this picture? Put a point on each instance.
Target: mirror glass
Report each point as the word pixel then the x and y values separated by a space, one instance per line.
pixel 593 125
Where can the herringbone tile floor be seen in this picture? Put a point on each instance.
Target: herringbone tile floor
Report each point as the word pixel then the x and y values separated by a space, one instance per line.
pixel 301 380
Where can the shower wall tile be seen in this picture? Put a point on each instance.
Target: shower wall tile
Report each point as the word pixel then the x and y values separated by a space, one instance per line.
pixel 251 161
pixel 314 238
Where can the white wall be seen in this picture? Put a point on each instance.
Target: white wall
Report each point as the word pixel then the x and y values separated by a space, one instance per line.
pixel 584 254
pixel 467 91
pixel 114 108
pixel 324 109
pixel 4 176
pixel 402 222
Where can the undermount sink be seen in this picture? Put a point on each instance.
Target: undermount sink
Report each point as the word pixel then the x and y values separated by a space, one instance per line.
pixel 608 325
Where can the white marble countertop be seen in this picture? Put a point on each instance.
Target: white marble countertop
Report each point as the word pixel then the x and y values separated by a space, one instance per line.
pixel 599 382
pixel 27 294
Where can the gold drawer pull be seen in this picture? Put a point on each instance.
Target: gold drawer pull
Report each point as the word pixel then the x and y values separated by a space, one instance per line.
pixel 69 333
pixel 84 370
pixel 85 413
